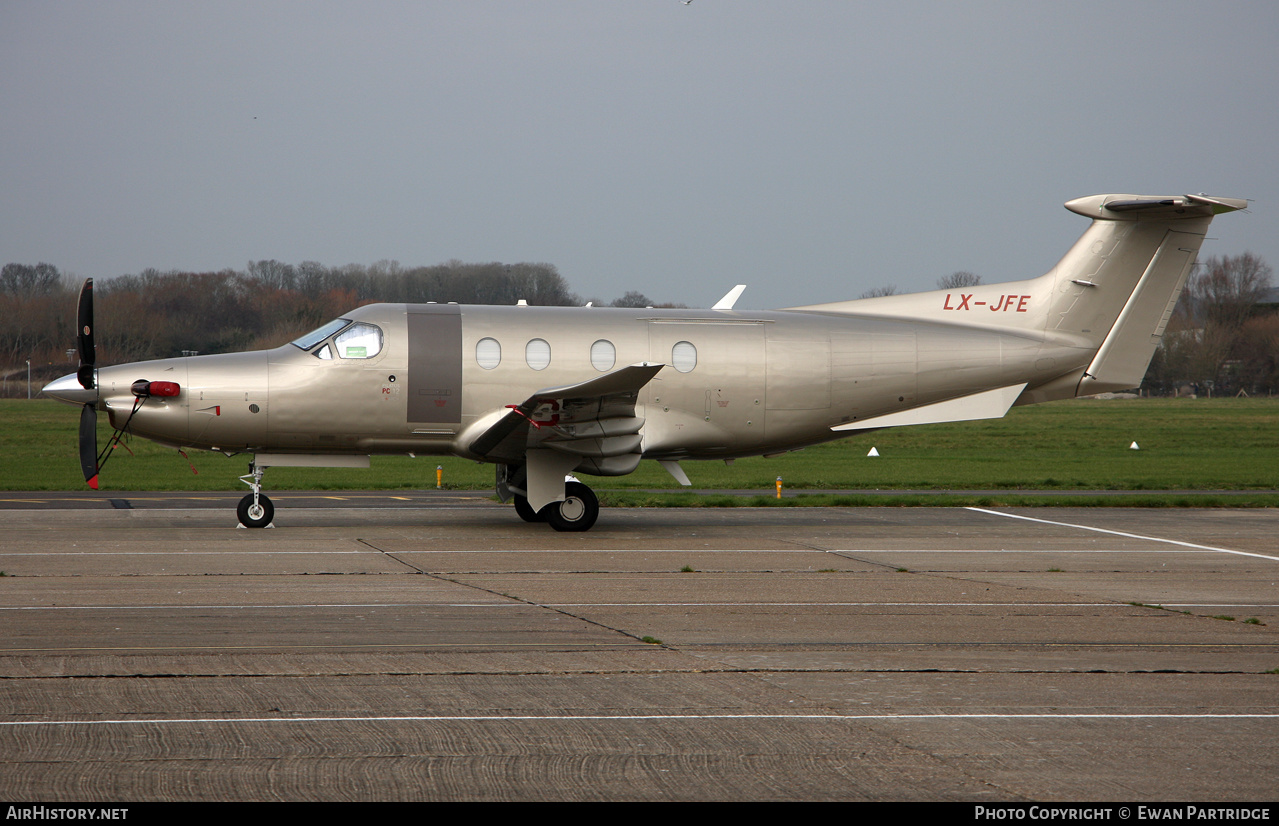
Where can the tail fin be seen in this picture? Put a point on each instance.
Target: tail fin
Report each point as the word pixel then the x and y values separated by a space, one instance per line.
pixel 1112 293
pixel 1117 287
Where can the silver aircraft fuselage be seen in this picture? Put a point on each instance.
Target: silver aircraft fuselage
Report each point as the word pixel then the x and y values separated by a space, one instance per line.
pixel 761 382
pixel 543 392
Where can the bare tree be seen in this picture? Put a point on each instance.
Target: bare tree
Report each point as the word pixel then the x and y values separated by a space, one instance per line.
pixel 633 298
pixel 958 279
pixel 876 292
pixel 25 280
pixel 1227 288
pixel 1220 334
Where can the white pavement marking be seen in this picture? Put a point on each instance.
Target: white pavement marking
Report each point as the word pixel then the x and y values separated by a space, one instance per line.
pixel 503 604
pixel 185 552
pixel 628 551
pixel 896 604
pixel 521 603
pixel 1127 535
pixel 559 718
pixel 589 605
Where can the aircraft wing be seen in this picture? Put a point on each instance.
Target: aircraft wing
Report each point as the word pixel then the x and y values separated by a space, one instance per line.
pixel 593 419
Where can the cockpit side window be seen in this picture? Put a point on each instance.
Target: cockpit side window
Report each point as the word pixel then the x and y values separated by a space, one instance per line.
pixel 359 341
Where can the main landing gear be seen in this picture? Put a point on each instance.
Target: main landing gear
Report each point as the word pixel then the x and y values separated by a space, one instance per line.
pixel 578 511
pixel 255 509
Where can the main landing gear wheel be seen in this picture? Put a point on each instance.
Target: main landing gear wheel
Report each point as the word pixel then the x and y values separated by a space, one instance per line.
pixel 525 510
pixel 255 516
pixel 577 512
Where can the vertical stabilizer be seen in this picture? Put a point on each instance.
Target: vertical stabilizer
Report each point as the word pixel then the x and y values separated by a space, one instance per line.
pixel 1118 286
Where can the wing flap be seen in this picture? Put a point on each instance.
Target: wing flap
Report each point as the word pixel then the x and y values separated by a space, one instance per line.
pixel 592 418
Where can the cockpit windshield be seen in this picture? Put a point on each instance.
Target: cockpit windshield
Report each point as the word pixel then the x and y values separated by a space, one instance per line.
pixel 350 340
pixel 314 337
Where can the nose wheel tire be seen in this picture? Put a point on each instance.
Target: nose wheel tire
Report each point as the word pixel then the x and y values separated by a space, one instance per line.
pixel 577 512
pixel 525 510
pixel 255 516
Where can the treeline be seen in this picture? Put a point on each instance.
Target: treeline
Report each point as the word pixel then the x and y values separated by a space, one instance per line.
pixel 156 314
pixel 1221 339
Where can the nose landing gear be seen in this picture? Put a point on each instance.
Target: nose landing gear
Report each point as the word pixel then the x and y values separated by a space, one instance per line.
pixel 255 509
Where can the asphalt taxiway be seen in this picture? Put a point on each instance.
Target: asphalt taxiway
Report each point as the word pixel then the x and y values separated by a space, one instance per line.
pixel 437 648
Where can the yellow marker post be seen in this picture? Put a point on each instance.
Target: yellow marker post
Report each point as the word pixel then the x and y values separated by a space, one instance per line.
pixel 439 476
pixel 779 487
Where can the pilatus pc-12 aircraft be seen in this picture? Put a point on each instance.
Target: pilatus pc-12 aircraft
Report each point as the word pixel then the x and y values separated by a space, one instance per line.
pixel 545 392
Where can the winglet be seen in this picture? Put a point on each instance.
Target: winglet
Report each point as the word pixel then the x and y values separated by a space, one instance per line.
pixel 730 298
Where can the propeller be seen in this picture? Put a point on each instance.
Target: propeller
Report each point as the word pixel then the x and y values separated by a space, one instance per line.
pixel 89 444
pixel 83 389
pixel 84 336
pixel 88 380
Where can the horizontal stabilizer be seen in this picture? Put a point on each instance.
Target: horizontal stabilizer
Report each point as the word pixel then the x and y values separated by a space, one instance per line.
pixel 1131 207
pixel 991 404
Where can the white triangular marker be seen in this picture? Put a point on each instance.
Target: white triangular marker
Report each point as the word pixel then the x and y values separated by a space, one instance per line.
pixel 873 452
pixel 1133 446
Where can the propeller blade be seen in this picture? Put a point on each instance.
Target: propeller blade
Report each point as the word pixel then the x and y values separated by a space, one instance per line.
pixel 84 335
pixel 89 444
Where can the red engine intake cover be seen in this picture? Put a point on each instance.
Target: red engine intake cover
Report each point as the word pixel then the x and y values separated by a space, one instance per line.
pixel 165 388
pixel 145 388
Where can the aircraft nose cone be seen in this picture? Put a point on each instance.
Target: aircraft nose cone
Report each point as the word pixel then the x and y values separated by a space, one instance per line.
pixel 67 389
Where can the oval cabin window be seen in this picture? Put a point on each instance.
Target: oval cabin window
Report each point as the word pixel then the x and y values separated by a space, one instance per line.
pixel 603 355
pixel 488 353
pixel 684 357
pixel 537 353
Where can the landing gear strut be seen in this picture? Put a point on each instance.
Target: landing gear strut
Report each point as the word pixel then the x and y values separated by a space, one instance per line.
pixel 255 509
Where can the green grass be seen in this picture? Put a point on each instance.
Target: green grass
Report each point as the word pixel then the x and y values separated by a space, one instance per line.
pixel 1078 445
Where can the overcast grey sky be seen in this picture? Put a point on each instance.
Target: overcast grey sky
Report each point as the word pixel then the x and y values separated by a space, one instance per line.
pixel 811 150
